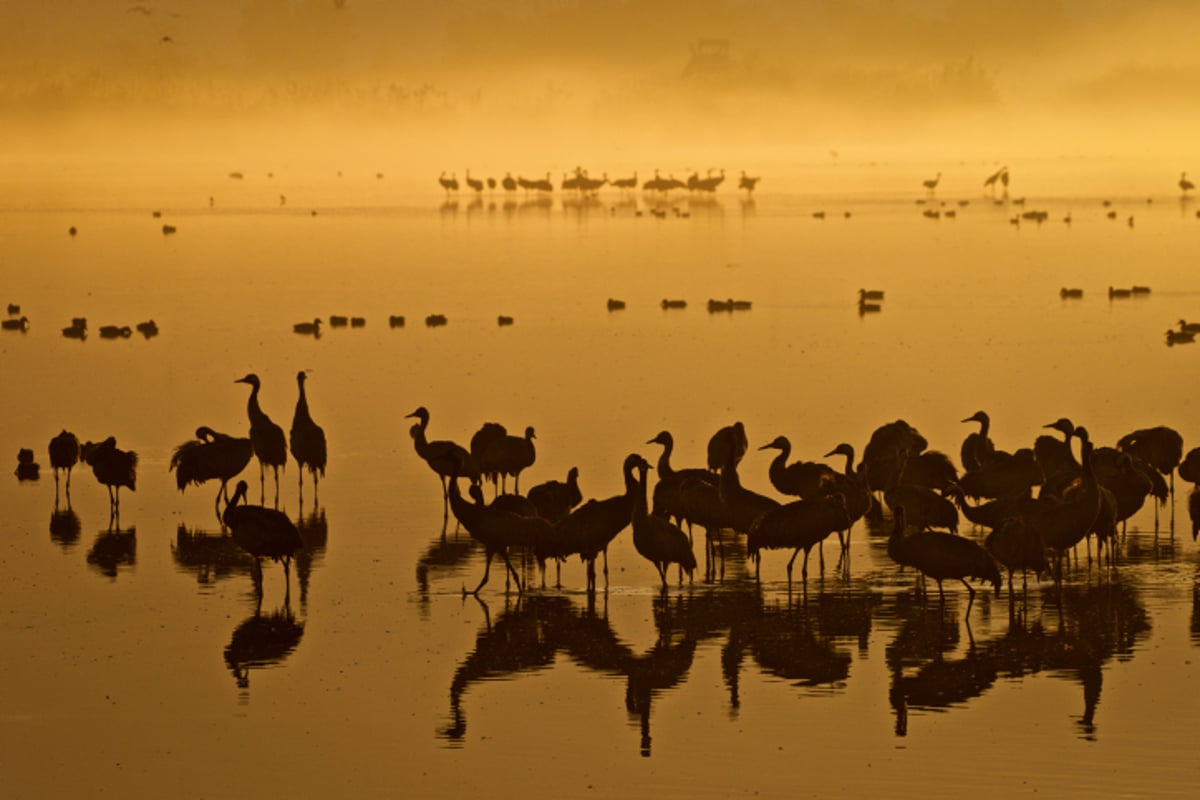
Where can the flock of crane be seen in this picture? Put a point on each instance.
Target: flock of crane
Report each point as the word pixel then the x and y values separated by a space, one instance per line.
pixel 212 456
pixel 580 181
pixel 1037 503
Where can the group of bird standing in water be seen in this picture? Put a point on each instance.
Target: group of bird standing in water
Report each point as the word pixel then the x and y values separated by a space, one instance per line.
pixel 1037 503
pixel 214 456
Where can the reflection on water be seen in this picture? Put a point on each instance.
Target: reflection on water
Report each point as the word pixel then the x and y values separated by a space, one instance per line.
pixel 261 641
pixel 113 549
pixel 446 556
pixel 64 527
pixel 935 661
pixel 314 533
pixel 211 557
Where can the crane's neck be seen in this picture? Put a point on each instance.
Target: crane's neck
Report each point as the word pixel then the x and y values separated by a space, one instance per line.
pixel 849 471
pixel 640 509
pixel 302 403
pixel 252 408
pixel 664 460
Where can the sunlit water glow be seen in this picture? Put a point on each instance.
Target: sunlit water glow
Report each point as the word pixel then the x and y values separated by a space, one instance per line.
pixel 138 661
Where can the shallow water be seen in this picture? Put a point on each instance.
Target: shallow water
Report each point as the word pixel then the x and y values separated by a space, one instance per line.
pixel 138 660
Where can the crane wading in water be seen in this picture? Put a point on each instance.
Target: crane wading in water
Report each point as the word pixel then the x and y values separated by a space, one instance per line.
pixel 270 447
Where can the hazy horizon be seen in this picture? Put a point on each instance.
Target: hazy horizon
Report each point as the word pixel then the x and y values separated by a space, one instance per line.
pixel 479 80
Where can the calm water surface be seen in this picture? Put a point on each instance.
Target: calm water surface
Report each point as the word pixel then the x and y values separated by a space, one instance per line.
pixel 138 660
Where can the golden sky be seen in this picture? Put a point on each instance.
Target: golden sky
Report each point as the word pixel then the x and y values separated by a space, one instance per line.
pixel 1061 74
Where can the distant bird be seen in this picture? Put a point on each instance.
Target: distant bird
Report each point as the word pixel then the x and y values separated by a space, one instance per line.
pixel 1185 185
pixel 615 305
pixel 338 321
pixel 799 525
pixel 267 438
pixel 727 443
pixel 75 332
pixel 27 468
pixel 1189 327
pixel 990 181
pixel 870 294
pixel 112 467
pixel 656 539
pixel 21 324
pixel 555 499
pixel 626 183
pixel 435 320
pixel 868 308
pixel 358 322
pixel 261 532
pixel 308 328
pixel 511 455
pixel 474 183
pixel 115 332
pixel 306 439
pixel 13 309
pixel 491 183
pixel 395 321
pixel 977 448
pixel 148 329
pixel 932 183
pixel 942 556
pixel 210 456
pixel 444 457
pixel 1073 294
pixel 1118 293
pixel 449 184
pixel 504 321
pixel 166 40
pixel 1180 337
pixel 64 455
pixel 509 182
pixel 748 183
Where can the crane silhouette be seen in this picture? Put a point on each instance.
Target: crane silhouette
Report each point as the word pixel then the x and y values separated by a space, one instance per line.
pixel 931 184
pixel 799 525
pixel 510 455
pixel 748 183
pixel 1160 447
pixel 307 440
pixel 210 456
pixel 941 556
pixel 262 532
pixel 496 529
pixel 113 468
pixel 672 491
pixel 474 183
pixel 554 500
pixel 481 443
pixel 805 479
pixel 977 448
pixel 449 184
pixel 444 457
pixel 728 442
pixel 656 539
pixel 1185 185
pixel 590 528
pixel 64 455
pixel 270 446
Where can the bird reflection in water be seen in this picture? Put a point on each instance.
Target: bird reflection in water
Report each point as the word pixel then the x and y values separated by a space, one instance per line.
pixel 113 549
pixel 792 643
pixel 527 638
pixel 211 557
pixel 64 527
pixel 923 641
pixel 314 533
pixel 446 556
pixel 1077 633
pixel 262 640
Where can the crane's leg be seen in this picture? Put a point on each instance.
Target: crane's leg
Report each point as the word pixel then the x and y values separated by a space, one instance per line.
pixel 316 487
pixel 804 568
pixel 487 567
pixel 276 469
pixel 512 570
pixel 941 593
pixel 970 595
pixel 262 482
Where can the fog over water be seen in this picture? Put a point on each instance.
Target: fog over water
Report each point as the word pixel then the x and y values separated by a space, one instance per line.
pixel 529 83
